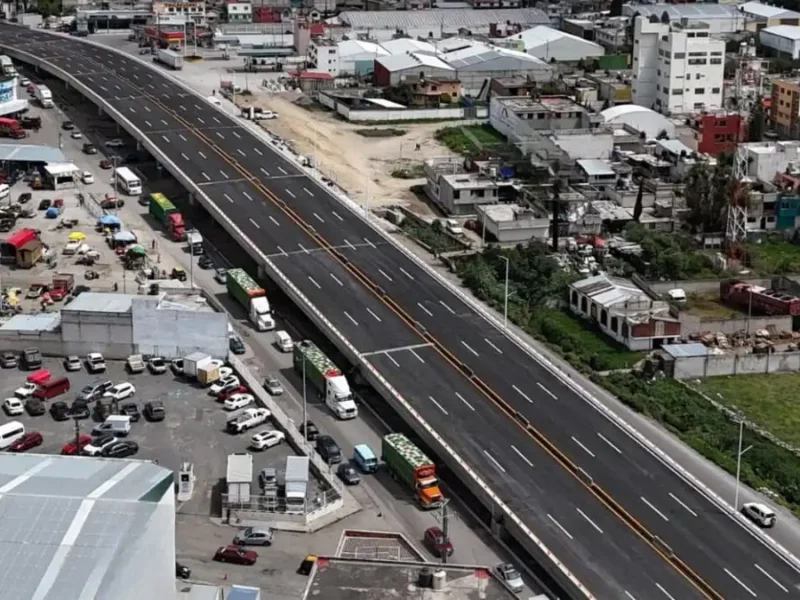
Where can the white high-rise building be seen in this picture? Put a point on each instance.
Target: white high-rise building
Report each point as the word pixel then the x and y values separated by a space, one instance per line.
pixel 677 67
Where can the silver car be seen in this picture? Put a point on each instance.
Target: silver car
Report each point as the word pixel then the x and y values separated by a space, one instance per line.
pixel 254 536
pixel 221 275
pixel 511 577
pixel 273 386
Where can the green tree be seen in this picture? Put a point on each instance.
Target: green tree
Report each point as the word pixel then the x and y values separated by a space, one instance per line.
pixel 756 123
pixel 616 8
pixel 637 208
pixel 707 195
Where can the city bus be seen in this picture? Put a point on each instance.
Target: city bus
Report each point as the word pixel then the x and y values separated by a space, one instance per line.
pixel 127 181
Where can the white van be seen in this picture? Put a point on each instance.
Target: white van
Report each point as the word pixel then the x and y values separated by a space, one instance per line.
pixel 4 191
pixel 10 432
pixel 284 341
pixel 118 425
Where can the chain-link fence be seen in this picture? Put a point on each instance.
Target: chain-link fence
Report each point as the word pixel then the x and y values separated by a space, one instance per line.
pixel 258 506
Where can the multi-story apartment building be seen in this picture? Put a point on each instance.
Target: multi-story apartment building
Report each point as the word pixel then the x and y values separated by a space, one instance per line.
pixel 784 110
pixel 677 67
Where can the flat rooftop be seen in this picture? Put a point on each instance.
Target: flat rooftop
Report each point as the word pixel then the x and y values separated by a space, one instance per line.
pixel 338 579
pixel 558 104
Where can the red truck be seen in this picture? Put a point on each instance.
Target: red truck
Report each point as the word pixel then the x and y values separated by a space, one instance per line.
pixel 11 128
pixel 757 299
pixel 62 286
pixel 164 211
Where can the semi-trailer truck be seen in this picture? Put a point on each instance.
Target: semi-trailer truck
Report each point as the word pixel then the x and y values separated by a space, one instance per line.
pixel 326 377
pixel 243 289
pixel 44 96
pixel 194 240
pixel 164 211
pixel 174 60
pixel 11 128
pixel 409 465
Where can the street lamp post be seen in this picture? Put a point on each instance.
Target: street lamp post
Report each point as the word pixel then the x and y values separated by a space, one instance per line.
pixel 739 456
pixel 505 295
pixel 305 405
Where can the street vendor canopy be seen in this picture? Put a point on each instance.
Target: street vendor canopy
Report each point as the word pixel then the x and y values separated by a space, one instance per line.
pixel 110 221
pixel 125 237
pixel 137 251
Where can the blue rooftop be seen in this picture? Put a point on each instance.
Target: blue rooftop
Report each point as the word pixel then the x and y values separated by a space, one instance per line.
pixel 685 350
pixel 31 153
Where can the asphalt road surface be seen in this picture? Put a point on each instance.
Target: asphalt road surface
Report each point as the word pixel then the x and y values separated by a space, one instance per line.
pixel 595 497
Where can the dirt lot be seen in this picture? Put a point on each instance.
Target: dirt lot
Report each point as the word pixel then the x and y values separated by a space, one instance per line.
pixel 352 159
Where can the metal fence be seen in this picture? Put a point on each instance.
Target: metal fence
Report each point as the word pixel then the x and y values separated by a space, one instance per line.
pixel 269 507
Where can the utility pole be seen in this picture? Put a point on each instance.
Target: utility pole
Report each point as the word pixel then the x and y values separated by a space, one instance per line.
pixel 739 454
pixel 445 530
pixel 77 435
pixel 305 405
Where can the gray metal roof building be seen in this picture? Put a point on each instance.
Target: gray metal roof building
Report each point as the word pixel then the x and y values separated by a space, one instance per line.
pixel 31 153
pixel 722 18
pixel 76 527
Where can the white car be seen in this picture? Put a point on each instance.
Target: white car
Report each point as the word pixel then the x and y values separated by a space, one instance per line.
pixel 120 391
pixel 115 143
pixel 225 372
pixel 231 381
pixel 511 576
pixel 25 390
pixel 95 363
pixel 157 365
pixel 760 514
pixel 71 247
pixel 13 406
pixel 238 401
pixel 98 444
pixel 266 439
pixel 24 82
pixel 87 177
pixel 76 135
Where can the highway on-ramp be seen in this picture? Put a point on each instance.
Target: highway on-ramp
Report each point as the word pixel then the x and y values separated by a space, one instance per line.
pixel 620 520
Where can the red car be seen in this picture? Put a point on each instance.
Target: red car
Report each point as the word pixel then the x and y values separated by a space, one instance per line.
pixel 58 294
pixel 26 442
pixel 239 390
pixel 106 164
pixel 435 541
pixel 235 555
pixel 70 449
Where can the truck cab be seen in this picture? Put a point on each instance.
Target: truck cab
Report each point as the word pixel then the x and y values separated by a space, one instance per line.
pixel 310 362
pixel 195 242
pixel 261 314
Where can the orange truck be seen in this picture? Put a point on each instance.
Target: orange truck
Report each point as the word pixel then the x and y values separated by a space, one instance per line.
pixel 409 465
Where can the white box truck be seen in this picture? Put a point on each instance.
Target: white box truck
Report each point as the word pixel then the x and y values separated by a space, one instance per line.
pixel 194 362
pixel 44 96
pixel 239 477
pixel 243 289
pixel 170 58
pixel 296 484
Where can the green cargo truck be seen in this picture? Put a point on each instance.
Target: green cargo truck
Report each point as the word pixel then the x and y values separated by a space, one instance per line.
pixel 244 289
pixel 409 465
pixel 164 211
pixel 326 377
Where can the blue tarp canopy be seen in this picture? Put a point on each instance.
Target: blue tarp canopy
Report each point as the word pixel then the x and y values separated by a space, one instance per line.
pixel 124 236
pixel 52 213
pixel 110 220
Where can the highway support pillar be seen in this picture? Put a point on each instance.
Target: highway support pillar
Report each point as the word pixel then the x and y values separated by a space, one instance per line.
pixel 496 526
pixel 192 200
pixel 262 272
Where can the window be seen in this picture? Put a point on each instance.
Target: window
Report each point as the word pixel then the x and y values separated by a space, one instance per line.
pixel 699 90
pixel 677 55
pixel 716 61
pixel 697 61
pixel 677 92
pixel 456 194
pixel 716 54
pixel 658 88
pixel 697 54
pixel 715 90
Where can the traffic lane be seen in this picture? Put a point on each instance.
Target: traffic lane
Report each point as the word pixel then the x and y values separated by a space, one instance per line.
pixel 148 117
pixel 354 311
pixel 573 525
pixel 657 501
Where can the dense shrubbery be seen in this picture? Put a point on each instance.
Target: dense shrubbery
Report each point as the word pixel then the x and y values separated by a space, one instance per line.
pixel 431 236
pixel 668 256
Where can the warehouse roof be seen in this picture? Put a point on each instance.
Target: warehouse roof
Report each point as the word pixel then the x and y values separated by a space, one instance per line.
pixel 767 12
pixel 699 11
pixel 401 62
pixel 70 524
pixel 32 323
pixel 101 302
pixel 608 291
pixel 404 45
pixel 31 153
pixel 542 35
pixel 790 32
pixel 436 18
pixel 482 53
pixel 351 47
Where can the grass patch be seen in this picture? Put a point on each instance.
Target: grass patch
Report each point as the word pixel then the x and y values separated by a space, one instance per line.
pixel 411 172
pixel 380 133
pixel 460 139
pixel 775 257
pixel 709 306
pixel 431 236
pixel 768 400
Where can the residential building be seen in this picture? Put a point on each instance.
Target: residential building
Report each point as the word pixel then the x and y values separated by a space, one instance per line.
pixel 766 160
pixel 237 11
pixel 477 64
pixel 347 58
pixel 392 70
pixel 719 132
pixel 721 19
pixel 437 23
pixel 431 93
pixel 758 16
pixel 781 40
pixel 784 110
pixel 677 69
pixel 514 85
pixel 624 312
pixel 514 224
pixel 615 88
pixel 552 45
pixel 192 11
pixel 639 118
pixel 459 192
pixel 547 113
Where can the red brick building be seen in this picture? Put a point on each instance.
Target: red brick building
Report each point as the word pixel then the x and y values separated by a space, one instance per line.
pixel 717 132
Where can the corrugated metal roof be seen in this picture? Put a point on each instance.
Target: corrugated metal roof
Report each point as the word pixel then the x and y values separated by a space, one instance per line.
pixel 596 167
pixel 767 11
pixel 31 153
pixel 403 45
pixel 401 62
pixel 351 47
pixel 72 524
pixel 33 323
pixel 240 468
pixel 437 18
pixel 508 60
pixel 685 350
pixel 101 302
pixel 690 11
pixel 790 32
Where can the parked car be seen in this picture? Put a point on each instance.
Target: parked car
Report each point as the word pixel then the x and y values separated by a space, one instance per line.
pixel 72 448
pixel 348 474
pixel 115 143
pixel 105 164
pixel 176 364
pixel 26 390
pixel 328 449
pixel 221 275
pixel 254 536
pixel 242 389
pixel 9 360
pixel 13 407
pixel 79 410
pixel 760 514
pixel 508 573
pixel 87 178
pixel 157 365
pixel 435 541
pixel 35 407
pixel 236 345
pixel 95 390
pixel 31 439
pixel 273 386
pixel 154 411
pixel 121 391
pixel 235 555
pixel 45 203
pixel 205 262
pixel 309 430
pixel 238 401
pixel 132 410
pixel 72 363
pixel 25 197
pixel 35 291
pixel 95 363
pixel 224 384
pixel 89 149
pixel 121 449
pixel 76 135
pixel 98 444
pixel 266 439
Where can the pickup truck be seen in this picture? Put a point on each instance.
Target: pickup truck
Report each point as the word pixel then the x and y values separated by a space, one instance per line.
pixel 135 363
pixel 247 419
